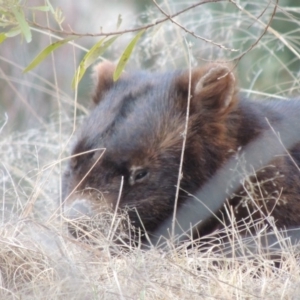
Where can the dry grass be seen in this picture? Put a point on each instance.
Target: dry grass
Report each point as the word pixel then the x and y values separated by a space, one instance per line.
pixel 39 260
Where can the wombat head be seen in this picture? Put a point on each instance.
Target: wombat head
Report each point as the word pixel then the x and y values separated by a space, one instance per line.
pixel 128 150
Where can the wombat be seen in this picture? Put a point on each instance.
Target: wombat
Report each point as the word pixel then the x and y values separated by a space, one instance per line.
pixel 128 150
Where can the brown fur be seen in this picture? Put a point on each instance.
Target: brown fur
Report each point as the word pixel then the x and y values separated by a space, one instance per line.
pixel 139 121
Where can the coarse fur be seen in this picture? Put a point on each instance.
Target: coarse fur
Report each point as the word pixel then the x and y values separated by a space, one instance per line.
pixel 136 131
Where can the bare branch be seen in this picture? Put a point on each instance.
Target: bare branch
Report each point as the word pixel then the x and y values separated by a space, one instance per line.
pixel 71 32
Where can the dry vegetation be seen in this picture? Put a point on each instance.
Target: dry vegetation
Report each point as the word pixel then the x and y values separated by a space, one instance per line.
pixel 40 260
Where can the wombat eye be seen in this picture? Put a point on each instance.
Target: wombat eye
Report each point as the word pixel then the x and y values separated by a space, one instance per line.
pixel 137 175
pixel 140 175
pixel 78 159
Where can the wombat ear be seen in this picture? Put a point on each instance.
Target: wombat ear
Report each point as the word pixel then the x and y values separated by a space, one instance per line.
pixel 213 88
pixel 103 79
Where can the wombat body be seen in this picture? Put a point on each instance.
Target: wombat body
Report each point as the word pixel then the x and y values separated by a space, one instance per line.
pixel 128 151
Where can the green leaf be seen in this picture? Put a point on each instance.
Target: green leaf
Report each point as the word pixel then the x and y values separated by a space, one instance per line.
pixel 44 53
pixel 2 37
pixel 40 8
pixel 84 64
pixel 126 55
pixel 13 32
pixel 19 14
pixel 90 57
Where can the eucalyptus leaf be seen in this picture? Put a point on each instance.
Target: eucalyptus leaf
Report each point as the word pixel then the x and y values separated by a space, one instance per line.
pixel 13 32
pixel 25 29
pixel 90 57
pixel 126 55
pixel 40 8
pixel 44 53
pixel 2 37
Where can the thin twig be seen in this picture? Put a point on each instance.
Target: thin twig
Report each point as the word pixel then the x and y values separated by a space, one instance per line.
pixel 171 18
pixel 267 26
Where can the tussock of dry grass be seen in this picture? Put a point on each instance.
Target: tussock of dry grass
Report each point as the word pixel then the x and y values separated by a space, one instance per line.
pixel 40 260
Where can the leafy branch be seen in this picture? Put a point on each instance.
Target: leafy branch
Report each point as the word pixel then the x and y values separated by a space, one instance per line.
pixel 13 22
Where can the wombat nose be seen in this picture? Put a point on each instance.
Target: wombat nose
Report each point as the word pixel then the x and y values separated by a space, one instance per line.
pixel 77 209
